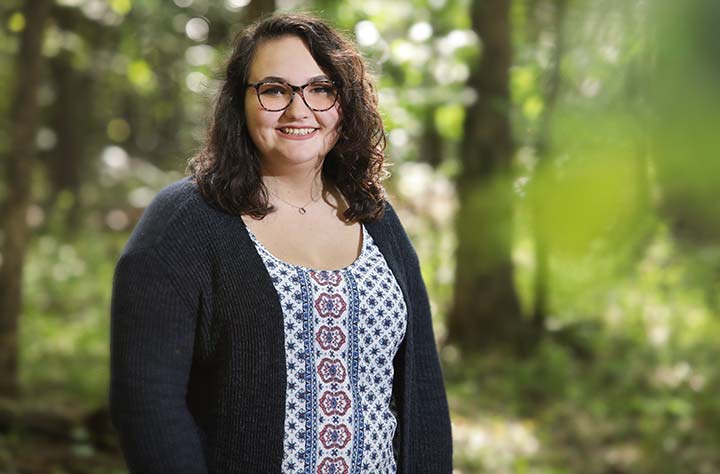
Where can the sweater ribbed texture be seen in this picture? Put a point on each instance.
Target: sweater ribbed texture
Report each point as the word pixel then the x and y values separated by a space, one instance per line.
pixel 198 369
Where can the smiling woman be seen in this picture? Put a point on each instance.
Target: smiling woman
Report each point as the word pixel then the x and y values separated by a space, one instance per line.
pixel 288 51
pixel 268 313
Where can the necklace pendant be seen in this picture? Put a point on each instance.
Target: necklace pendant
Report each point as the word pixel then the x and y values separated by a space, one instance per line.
pixel 302 210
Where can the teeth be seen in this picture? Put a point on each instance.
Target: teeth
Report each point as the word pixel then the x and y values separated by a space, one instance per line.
pixel 297 131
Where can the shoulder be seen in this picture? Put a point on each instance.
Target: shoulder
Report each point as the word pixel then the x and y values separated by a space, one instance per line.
pixel 172 241
pixel 391 221
pixel 175 218
pixel 389 227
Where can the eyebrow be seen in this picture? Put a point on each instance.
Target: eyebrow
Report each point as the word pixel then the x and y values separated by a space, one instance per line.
pixel 322 77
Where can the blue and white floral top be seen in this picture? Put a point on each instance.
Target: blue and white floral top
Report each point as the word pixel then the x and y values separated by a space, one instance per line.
pixel 342 330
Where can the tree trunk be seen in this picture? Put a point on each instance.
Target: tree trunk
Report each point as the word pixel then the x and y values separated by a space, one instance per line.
pixel 541 278
pixel 431 145
pixel 486 312
pixel 68 161
pixel 18 171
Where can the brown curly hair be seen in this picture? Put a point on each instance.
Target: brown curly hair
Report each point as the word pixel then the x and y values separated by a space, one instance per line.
pixel 227 169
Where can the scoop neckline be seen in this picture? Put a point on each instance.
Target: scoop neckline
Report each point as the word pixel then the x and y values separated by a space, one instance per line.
pixel 365 236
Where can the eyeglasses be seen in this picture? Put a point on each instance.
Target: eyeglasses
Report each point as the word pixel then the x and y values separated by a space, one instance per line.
pixel 275 96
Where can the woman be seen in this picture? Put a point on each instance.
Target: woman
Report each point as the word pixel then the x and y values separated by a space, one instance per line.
pixel 268 311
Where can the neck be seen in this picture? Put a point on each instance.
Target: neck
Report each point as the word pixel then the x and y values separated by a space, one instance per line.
pixel 298 186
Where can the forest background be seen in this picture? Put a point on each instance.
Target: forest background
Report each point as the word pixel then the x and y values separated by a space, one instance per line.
pixel 555 163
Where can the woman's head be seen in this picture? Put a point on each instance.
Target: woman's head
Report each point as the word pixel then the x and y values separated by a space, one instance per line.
pixel 291 108
pixel 244 131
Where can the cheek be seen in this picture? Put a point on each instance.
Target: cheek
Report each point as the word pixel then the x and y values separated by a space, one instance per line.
pixel 338 124
pixel 337 113
pixel 252 131
pixel 257 122
pixel 250 118
pixel 332 119
pixel 333 136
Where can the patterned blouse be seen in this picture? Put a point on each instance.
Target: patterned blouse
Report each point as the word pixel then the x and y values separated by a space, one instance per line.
pixel 342 330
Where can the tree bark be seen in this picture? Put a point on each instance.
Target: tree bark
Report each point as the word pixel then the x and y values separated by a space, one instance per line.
pixel 18 165
pixel 541 278
pixel 67 163
pixel 486 312
pixel 431 144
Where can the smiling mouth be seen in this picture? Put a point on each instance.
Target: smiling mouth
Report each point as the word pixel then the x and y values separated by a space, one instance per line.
pixel 297 131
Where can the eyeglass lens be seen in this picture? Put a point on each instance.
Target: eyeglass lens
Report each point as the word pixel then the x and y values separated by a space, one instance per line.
pixel 319 96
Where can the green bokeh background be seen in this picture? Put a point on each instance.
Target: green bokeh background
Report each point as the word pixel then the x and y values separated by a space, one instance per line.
pixel 619 174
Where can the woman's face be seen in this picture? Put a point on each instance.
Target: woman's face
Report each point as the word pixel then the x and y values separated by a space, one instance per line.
pixel 297 135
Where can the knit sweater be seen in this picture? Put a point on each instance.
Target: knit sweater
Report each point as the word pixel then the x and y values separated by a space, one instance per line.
pixel 198 370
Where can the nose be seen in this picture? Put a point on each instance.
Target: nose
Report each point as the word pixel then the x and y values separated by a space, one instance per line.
pixel 297 108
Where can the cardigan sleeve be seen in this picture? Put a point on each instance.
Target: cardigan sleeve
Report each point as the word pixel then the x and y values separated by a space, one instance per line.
pixel 432 433
pixel 151 344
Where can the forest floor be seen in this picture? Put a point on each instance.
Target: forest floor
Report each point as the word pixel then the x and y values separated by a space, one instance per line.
pixel 44 436
pixel 37 454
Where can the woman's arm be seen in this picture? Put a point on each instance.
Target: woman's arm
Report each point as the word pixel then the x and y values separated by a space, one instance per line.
pixel 152 338
pixel 431 445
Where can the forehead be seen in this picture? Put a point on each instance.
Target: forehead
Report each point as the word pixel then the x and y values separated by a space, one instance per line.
pixel 285 57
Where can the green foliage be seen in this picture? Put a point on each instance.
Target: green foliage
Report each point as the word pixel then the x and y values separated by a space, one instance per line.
pixel 65 327
pixel 617 173
pixel 684 97
pixel 630 392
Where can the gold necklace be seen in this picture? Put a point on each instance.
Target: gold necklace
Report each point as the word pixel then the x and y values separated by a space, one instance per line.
pixel 301 209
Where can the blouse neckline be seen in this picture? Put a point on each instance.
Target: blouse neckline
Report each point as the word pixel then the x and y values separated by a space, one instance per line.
pixel 356 262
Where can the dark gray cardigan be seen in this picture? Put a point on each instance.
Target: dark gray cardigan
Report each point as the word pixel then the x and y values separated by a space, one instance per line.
pixel 198 355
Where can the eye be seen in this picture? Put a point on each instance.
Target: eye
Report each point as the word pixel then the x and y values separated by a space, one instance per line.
pixel 326 88
pixel 270 89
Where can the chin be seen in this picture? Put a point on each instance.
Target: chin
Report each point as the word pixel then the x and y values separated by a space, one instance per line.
pixel 298 158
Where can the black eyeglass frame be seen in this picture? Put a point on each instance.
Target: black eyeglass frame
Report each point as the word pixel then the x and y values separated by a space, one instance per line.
pixel 295 89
